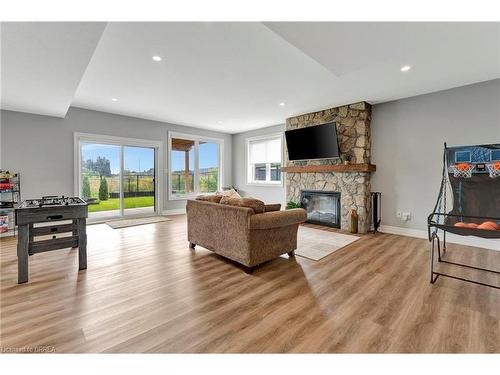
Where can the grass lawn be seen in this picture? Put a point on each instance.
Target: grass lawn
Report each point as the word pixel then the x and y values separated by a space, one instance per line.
pixel 114 203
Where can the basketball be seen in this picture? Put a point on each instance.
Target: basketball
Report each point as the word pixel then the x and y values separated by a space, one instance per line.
pixel 472 225
pixel 496 165
pixel 492 224
pixel 460 224
pixel 462 166
pixel 487 225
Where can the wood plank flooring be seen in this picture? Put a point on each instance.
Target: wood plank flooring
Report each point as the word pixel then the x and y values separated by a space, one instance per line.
pixel 146 291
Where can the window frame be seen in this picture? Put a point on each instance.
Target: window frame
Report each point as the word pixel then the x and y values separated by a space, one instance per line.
pixel 249 169
pixel 196 139
pixel 79 138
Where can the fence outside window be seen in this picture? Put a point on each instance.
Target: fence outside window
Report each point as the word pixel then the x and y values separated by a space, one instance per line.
pixel 208 181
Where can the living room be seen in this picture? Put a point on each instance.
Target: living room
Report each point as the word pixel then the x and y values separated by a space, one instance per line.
pixel 250 187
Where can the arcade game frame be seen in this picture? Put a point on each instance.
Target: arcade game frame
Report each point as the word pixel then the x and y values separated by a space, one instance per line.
pixel 472 175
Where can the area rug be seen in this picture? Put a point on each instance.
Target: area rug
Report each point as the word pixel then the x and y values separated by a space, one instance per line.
pixel 315 244
pixel 124 223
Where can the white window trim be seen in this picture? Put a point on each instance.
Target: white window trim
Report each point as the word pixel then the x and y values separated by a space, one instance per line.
pixel 196 138
pixel 78 138
pixel 247 159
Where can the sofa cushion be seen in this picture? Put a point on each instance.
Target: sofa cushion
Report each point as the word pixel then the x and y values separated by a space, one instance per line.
pixel 272 207
pixel 256 205
pixel 209 198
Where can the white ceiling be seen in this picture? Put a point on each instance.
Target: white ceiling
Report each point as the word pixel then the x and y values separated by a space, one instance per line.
pixel 232 76
pixel 435 49
pixel 42 64
pixel 232 73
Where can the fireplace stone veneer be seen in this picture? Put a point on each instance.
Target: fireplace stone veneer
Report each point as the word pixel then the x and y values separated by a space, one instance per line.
pixel 353 131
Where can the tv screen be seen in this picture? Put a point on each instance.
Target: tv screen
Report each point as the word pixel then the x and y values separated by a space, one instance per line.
pixel 314 142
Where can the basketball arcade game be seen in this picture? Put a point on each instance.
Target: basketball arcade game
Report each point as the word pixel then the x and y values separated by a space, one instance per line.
pixel 471 186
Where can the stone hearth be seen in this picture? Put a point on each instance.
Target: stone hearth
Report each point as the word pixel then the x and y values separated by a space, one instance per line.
pixel 353 130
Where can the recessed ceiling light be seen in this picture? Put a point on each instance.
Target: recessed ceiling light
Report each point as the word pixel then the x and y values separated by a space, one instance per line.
pixel 282 104
pixel 156 58
pixel 114 99
pixel 405 68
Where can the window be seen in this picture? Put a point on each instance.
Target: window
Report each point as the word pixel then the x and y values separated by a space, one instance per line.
pixel 195 165
pixel 264 160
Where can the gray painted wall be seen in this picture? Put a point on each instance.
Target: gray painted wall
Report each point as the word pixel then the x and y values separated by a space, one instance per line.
pixel 407 141
pixel 269 194
pixel 0 142
pixel 407 144
pixel 41 147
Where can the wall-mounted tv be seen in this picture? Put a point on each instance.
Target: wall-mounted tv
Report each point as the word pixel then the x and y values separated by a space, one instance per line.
pixel 313 142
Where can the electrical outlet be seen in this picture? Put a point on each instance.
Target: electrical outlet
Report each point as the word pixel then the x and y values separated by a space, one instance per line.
pixel 406 216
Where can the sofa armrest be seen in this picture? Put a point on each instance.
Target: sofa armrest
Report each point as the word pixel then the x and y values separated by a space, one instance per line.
pixel 277 219
pixel 272 207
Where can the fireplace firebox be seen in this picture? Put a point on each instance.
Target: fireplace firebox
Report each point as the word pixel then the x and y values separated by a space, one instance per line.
pixel 323 207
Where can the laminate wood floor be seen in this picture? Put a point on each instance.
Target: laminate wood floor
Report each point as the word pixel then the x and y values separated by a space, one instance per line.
pixel 146 291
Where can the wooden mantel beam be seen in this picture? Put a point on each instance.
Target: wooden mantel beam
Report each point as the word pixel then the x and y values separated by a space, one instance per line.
pixel 339 168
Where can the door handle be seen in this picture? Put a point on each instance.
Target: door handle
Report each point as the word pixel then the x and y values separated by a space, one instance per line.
pixel 55 217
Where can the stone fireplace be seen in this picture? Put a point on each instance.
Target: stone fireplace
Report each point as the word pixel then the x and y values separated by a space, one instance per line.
pixel 352 181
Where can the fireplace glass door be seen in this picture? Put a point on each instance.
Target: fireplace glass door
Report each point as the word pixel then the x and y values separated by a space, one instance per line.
pixel 322 207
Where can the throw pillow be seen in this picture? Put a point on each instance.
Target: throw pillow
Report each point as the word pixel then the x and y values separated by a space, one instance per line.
pixel 231 193
pixel 256 205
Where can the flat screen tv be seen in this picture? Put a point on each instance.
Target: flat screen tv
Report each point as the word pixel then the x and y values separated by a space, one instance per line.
pixel 313 142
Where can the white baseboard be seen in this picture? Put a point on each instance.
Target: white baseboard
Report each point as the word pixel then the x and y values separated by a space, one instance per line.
pixel 450 237
pixel 178 211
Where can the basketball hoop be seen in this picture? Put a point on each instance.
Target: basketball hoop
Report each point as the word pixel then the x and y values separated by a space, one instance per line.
pixel 462 170
pixel 494 169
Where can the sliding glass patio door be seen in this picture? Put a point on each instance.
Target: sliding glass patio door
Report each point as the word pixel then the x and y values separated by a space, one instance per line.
pixel 100 179
pixel 117 179
pixel 139 180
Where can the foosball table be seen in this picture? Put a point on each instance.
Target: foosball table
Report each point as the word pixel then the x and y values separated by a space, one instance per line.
pixel 50 209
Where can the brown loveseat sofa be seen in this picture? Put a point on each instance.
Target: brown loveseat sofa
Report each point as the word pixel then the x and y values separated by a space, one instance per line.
pixel 240 234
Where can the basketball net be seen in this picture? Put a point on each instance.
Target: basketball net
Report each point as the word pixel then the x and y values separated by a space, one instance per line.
pixel 462 172
pixel 493 170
